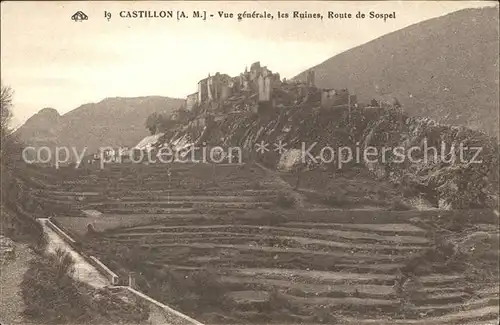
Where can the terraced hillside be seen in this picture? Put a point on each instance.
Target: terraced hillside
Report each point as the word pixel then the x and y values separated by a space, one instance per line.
pixel 310 267
pixel 228 244
pixel 123 195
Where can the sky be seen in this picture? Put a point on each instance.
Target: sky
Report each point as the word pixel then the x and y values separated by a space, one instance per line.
pixel 51 61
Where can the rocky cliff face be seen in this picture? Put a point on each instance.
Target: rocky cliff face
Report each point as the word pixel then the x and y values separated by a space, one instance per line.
pixel 443 72
pixel 436 168
pixel 42 128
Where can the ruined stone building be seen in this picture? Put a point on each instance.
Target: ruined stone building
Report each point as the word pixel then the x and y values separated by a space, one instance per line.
pixel 265 88
pixel 335 97
pixel 220 86
pixel 244 82
pixel 249 79
pixel 256 70
pixel 310 78
pixel 217 87
pixel 219 92
pixel 255 81
pixel 227 85
pixel 191 101
pixel 203 90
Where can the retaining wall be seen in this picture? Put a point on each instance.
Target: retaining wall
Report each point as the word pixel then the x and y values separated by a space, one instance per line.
pixel 61 233
pixel 92 260
pixel 165 311
pixel 110 275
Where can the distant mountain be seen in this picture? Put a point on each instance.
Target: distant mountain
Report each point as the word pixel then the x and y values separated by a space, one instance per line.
pixel 112 122
pixel 445 68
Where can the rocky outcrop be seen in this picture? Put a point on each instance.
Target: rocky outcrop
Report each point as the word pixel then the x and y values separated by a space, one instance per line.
pixel 41 129
pixel 456 166
pixel 453 167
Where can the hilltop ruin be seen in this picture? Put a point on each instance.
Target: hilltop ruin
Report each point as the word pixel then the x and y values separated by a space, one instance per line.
pixel 260 89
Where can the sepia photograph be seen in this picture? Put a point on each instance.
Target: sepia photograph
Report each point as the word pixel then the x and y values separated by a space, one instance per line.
pixel 249 163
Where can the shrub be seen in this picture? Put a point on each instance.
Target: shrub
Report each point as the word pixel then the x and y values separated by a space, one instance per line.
pixel 336 200
pixel 52 296
pixel 39 243
pixel 207 286
pixel 255 185
pixel 285 201
pixel 278 301
pixel 276 241
pixel 63 263
pixel 46 278
pixel 398 205
pixel 325 315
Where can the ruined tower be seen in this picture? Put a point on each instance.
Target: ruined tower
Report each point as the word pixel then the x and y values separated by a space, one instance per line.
pixel 310 78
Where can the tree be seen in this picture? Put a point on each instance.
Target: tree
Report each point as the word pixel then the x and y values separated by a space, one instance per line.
pixel 10 147
pixel 158 122
pixel 152 123
pixel 182 115
pixel 6 95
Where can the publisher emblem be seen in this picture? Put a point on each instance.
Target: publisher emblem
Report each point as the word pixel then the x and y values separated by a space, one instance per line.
pixel 79 16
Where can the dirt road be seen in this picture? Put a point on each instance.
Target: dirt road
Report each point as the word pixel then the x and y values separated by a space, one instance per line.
pixel 84 272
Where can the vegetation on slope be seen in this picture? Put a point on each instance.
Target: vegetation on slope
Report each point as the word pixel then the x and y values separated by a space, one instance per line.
pixel 14 221
pixel 445 182
pixel 49 292
pixel 52 296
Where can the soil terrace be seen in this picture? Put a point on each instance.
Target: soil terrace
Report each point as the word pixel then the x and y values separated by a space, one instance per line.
pixel 265 259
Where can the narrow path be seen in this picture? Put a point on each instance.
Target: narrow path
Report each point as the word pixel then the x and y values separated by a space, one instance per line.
pixel 84 272
pixel 11 276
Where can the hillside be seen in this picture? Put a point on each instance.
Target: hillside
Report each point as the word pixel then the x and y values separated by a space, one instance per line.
pixel 445 68
pixel 111 122
pixel 447 184
pixel 227 244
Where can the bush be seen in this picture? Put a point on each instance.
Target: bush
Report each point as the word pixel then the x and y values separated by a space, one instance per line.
pixel 63 263
pixel 195 291
pixel 278 301
pixel 48 277
pixel 40 242
pixel 52 296
pixel 206 284
pixel 285 201
pixel 336 200
pixel 276 241
pixel 398 205
pixel 325 315
pixel 256 185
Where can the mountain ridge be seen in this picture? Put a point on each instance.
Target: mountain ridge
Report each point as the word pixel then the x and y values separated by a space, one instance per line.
pixel 113 121
pixel 445 68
